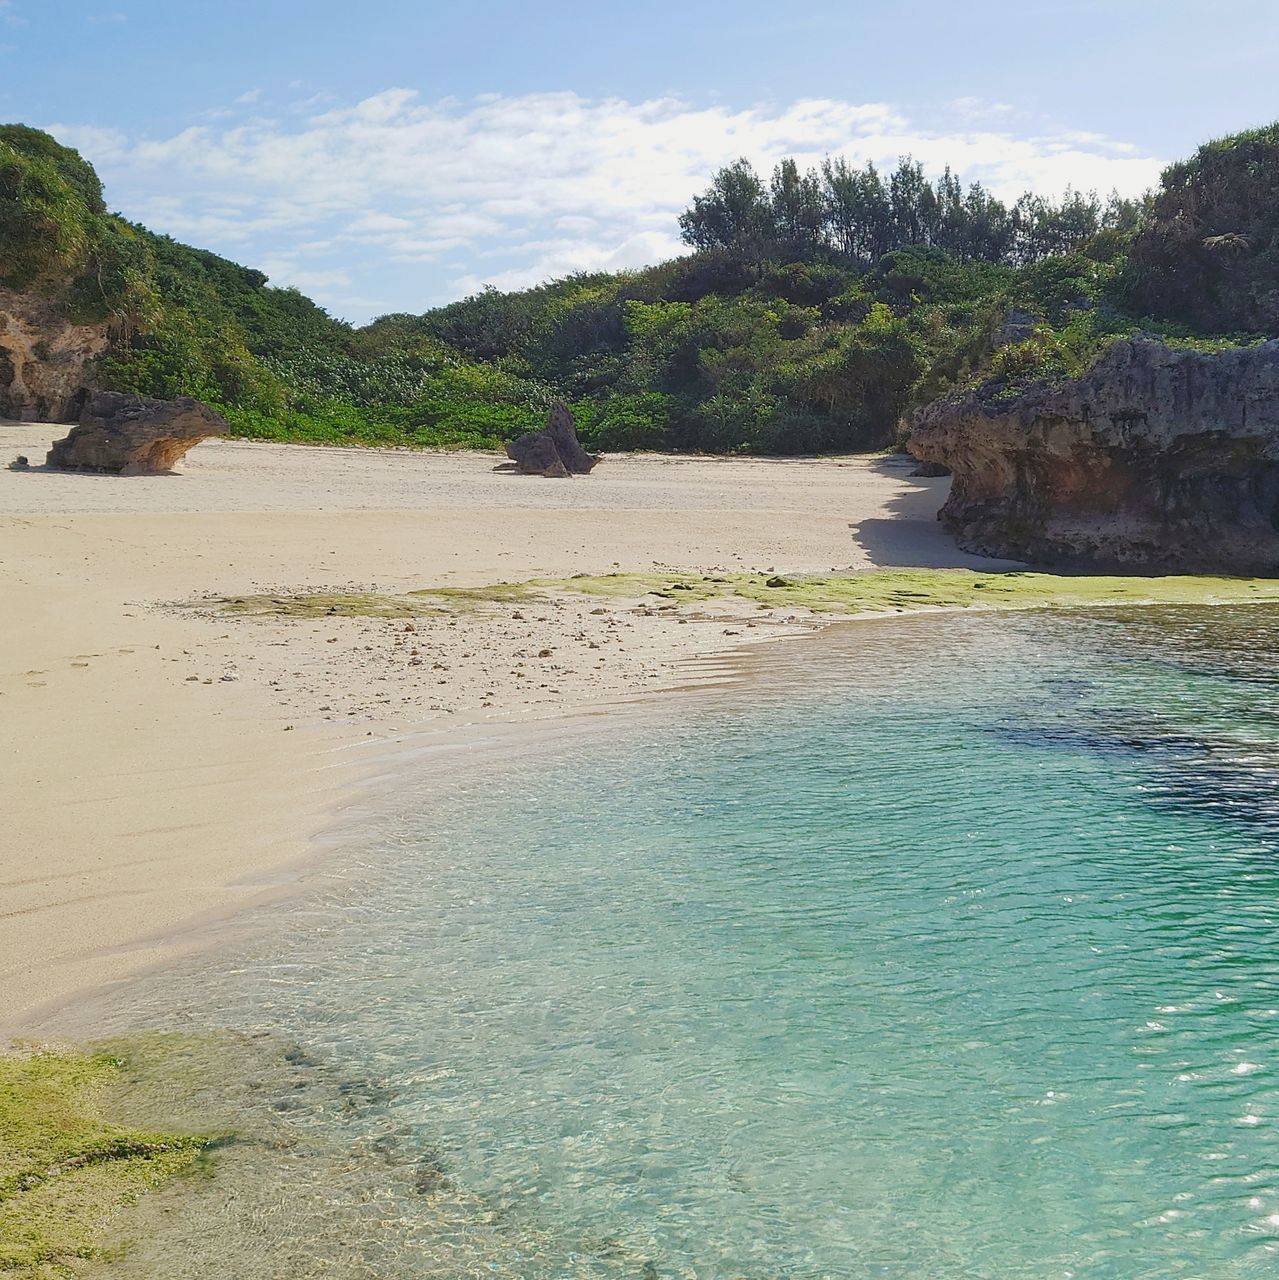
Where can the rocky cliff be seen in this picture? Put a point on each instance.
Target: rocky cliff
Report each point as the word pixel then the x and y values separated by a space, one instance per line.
pixel 1157 459
pixel 45 360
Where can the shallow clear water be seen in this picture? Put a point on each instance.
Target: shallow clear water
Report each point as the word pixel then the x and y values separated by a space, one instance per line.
pixel 945 948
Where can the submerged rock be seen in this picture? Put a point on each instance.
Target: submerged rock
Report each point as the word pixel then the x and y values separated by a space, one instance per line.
pixel 553 451
pixel 133 435
pixel 1155 459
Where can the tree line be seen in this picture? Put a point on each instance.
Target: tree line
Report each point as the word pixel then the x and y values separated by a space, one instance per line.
pixel 860 215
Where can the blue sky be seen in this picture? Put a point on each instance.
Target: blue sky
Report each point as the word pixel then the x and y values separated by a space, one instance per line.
pixel 392 155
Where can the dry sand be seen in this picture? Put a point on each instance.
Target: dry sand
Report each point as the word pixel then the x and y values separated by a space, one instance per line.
pixel 161 765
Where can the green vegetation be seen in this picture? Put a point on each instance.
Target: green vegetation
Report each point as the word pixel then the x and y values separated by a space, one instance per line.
pixel 875 591
pixel 365 604
pixel 903 590
pixel 66 1172
pixel 815 309
pixel 1208 254
pixel 860 216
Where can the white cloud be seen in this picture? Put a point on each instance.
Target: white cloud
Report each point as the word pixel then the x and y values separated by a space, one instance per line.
pixel 562 257
pixel 379 222
pixel 521 187
pixel 971 108
pixel 286 271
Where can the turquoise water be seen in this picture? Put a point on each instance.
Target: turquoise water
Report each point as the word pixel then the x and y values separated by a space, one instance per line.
pixel 943 948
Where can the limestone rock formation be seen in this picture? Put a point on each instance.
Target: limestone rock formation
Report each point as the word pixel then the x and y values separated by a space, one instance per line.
pixel 552 451
pixel 1156 459
pixel 133 435
pixel 45 360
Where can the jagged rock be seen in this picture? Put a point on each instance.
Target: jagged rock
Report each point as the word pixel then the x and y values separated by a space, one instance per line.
pixel 1156 459
pixel 535 454
pixel 553 451
pixel 133 435
pixel 44 359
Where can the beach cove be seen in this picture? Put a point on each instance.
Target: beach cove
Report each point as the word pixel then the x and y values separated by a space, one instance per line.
pixel 331 669
pixel 171 764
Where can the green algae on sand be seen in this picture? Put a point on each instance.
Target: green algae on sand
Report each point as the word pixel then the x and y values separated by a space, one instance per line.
pixel 890 590
pixel 832 594
pixel 370 604
pixel 66 1171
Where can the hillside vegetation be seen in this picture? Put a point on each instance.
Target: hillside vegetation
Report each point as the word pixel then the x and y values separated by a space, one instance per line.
pixel 813 311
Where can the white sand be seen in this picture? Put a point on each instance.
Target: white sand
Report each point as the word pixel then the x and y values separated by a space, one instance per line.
pixel 142 790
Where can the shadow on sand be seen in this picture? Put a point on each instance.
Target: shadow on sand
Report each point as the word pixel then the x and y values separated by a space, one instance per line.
pixel 911 536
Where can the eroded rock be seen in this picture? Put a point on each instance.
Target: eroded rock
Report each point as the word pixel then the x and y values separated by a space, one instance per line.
pixel 554 450
pixel 45 360
pixel 133 435
pixel 1156 459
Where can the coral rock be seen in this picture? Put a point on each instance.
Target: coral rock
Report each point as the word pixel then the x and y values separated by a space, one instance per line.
pixel 45 360
pixel 553 451
pixel 1155 459
pixel 132 435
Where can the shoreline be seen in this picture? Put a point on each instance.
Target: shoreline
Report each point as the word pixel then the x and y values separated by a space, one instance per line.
pixel 199 1065
pixel 154 795
pixel 162 769
pixel 451 675
pixel 364 784
pixel 168 764
pixel 368 767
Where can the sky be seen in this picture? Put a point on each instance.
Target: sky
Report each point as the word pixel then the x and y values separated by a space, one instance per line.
pixel 393 156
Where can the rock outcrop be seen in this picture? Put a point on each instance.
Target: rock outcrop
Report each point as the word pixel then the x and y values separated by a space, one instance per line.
pixel 133 435
pixel 552 451
pixel 1156 460
pixel 45 360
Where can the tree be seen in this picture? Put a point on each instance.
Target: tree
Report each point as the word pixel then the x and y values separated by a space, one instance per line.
pixel 735 211
pixel 799 212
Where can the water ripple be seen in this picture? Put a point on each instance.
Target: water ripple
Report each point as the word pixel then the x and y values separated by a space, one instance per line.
pixel 951 950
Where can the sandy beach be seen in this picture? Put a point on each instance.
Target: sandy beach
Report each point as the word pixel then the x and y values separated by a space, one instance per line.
pixel 161 763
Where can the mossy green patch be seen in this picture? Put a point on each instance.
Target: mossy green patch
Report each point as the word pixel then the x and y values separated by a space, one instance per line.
pixel 322 604
pixel 495 593
pixel 835 594
pixel 901 590
pixel 66 1171
pixel 368 604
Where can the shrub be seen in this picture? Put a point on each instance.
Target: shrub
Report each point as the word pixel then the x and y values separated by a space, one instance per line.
pixel 620 423
pixel 1209 254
